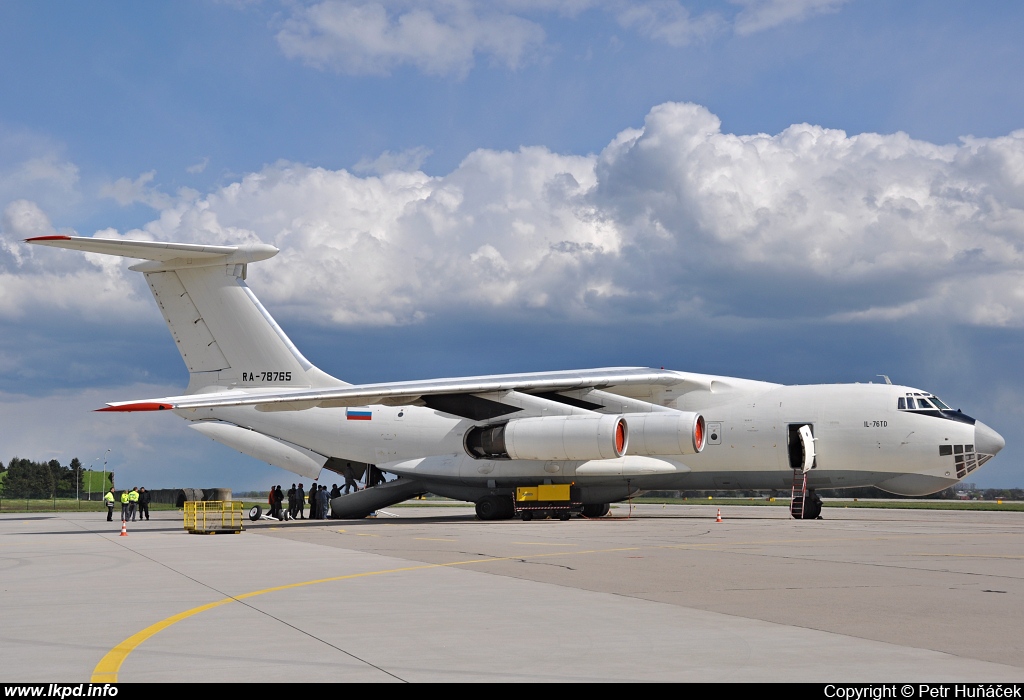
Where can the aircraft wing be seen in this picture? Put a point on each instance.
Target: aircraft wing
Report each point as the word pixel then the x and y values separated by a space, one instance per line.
pixel 430 392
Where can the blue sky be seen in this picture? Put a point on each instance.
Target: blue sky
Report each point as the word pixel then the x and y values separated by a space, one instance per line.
pixel 792 190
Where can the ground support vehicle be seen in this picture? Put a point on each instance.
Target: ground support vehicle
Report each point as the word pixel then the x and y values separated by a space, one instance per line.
pixel 547 501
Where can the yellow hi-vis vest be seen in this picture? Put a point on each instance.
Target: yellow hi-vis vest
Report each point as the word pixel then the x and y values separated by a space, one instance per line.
pixel 108 498
pixel 124 497
pixel 133 496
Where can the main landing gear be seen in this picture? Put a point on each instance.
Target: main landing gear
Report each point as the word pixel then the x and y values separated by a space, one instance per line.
pixel 596 510
pixel 495 508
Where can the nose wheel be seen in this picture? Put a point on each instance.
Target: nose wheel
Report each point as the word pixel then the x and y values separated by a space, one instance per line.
pixel 806 506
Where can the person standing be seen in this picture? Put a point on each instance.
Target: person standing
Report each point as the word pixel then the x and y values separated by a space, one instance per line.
pixel 291 502
pixel 350 480
pixel 300 502
pixel 133 501
pixel 270 502
pixel 374 476
pixel 108 498
pixel 321 502
pixel 124 505
pixel 279 502
pixel 314 489
pixel 144 498
pixel 335 491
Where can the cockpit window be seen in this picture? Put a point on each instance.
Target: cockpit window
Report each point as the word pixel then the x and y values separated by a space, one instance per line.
pixel 923 404
pixel 918 401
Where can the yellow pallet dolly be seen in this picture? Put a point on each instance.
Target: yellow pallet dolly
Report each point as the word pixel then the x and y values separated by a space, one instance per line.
pixel 212 517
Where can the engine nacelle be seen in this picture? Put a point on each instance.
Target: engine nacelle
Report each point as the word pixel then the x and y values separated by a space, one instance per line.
pixel 665 434
pixel 559 438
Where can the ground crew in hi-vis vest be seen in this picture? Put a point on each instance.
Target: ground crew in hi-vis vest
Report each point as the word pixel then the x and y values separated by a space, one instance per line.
pixel 133 500
pixel 108 498
pixel 124 505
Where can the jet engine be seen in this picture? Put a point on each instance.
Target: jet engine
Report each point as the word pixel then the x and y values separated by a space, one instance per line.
pixel 561 438
pixel 675 433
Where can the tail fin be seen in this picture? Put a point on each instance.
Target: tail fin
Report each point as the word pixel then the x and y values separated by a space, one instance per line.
pixel 225 336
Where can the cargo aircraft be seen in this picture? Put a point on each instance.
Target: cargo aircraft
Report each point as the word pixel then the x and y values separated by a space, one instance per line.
pixel 607 433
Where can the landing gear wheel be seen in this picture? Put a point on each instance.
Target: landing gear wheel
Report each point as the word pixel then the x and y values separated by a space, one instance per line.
pixel 811 509
pixel 495 508
pixel 255 513
pixel 596 510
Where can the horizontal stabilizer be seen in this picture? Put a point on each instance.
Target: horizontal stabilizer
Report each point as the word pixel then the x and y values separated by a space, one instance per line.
pixel 167 255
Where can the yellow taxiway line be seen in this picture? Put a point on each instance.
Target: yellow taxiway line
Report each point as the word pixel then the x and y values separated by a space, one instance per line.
pixel 107 669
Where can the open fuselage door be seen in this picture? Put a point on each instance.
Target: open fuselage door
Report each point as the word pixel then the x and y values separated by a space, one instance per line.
pixel 801 447
pixel 802 459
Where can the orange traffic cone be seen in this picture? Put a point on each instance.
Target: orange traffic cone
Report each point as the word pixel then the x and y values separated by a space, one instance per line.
pixel 124 529
pixel 719 518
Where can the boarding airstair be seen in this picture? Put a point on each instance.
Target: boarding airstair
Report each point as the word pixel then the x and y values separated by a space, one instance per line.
pixel 798 494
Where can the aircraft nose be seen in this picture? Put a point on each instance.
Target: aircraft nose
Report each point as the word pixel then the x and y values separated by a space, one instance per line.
pixel 986 440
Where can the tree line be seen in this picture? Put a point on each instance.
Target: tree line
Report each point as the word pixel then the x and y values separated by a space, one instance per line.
pixel 23 478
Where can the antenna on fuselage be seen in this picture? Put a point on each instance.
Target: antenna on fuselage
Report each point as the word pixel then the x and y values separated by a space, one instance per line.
pixel 885 377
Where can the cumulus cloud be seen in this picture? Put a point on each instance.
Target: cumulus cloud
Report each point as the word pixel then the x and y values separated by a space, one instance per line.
pixel 506 228
pixel 374 38
pixel 818 222
pixel 675 219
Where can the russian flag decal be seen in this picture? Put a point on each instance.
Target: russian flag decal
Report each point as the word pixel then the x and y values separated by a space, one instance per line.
pixel 358 414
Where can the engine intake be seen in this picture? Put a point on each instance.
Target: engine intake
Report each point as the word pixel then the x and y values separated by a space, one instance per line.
pixel 562 438
pixel 676 433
